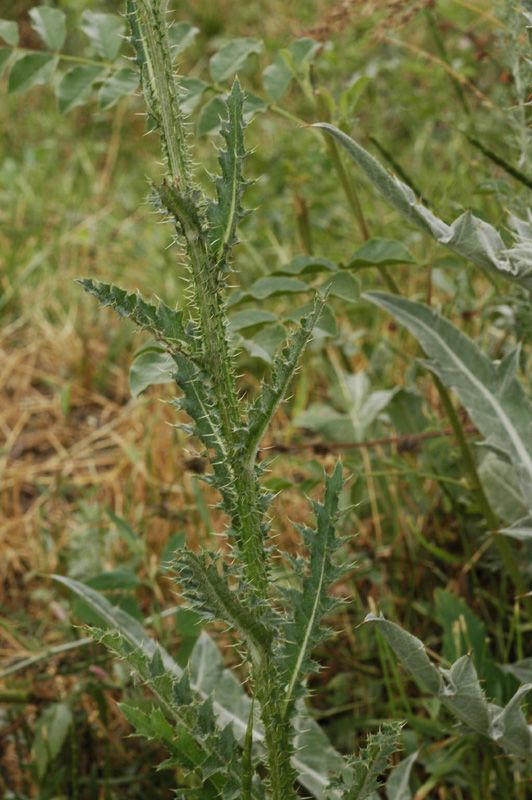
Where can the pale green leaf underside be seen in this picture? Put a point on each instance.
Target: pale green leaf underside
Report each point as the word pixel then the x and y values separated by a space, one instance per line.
pixel 468 236
pixel 494 399
pixel 459 690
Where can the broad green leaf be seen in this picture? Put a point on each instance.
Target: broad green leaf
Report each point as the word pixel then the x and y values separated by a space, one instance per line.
pixel 398 783
pixel 380 252
pixel 268 287
pixel 303 265
pixel 410 652
pixel 191 93
pixel 253 104
pixel 276 78
pixel 181 36
pixel 303 50
pixel 231 57
pixel 468 236
pixel 251 317
pixel 105 32
pixel 119 84
pixel 76 85
pixel 211 115
pixel 344 286
pixel 151 367
pixel 494 399
pixel 5 55
pixel 31 70
pixel 9 32
pixel 265 343
pixel 314 762
pixel 50 24
pixel 331 424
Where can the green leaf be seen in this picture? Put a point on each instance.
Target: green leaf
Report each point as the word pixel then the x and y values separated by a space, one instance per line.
pixel 306 608
pixel 410 652
pixel 31 70
pixel 212 598
pixel 284 366
pixel 276 78
pixel 494 399
pixel 360 780
pixel 105 32
pixel 211 115
pixel 501 485
pixel 50 24
pixel 226 212
pixel 269 287
pixel 344 286
pixel 468 236
pixel 165 323
pixel 9 32
pixel 459 690
pixel 121 578
pixel 119 84
pixel 231 57
pixel 152 367
pixel 315 759
pixel 249 318
pixel 191 94
pixel 303 50
pixel 265 343
pixel 5 55
pixel 398 783
pixel 380 252
pixel 325 324
pixel 306 265
pixel 76 85
pixel 181 36
pixel 51 732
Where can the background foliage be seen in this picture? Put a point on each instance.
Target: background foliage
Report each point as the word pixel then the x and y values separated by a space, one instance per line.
pixel 437 92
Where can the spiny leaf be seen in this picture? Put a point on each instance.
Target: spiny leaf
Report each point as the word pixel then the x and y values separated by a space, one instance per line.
pixel 225 213
pixel 470 237
pixel 165 323
pixel 307 607
pixel 211 596
pixel 360 778
pixel 283 370
pixel 491 393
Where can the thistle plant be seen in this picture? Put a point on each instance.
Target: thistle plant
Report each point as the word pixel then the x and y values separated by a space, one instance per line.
pixel 277 627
